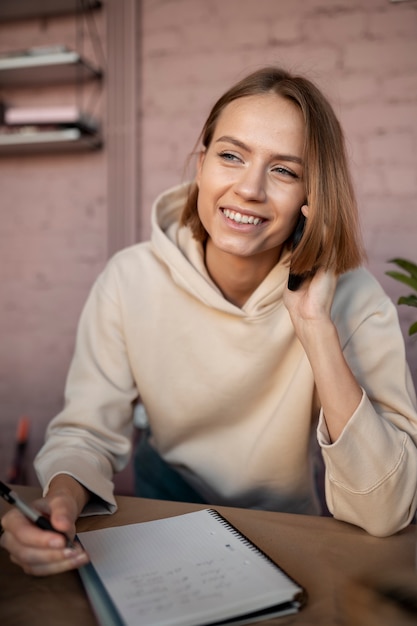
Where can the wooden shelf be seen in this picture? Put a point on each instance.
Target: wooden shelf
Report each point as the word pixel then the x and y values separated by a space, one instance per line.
pixel 26 9
pixel 53 129
pixel 65 140
pixel 32 68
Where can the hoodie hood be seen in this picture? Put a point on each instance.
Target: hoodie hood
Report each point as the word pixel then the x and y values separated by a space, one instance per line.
pixel 184 259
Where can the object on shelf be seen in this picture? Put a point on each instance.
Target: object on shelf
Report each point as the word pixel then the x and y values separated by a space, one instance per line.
pixel 45 65
pixel 19 117
pixel 26 130
pixel 46 139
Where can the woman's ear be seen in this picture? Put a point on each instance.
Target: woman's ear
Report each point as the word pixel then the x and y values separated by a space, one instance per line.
pixel 305 209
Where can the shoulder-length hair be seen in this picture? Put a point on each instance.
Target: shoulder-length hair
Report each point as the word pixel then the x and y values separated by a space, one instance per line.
pixel 331 237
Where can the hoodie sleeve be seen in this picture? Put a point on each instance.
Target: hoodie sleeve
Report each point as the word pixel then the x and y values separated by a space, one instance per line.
pixel 371 470
pixel 91 438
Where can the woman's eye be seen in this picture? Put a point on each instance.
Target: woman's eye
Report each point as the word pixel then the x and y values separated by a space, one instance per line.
pixel 228 156
pixel 283 171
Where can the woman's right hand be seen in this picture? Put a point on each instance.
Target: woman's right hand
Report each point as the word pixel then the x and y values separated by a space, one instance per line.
pixel 39 552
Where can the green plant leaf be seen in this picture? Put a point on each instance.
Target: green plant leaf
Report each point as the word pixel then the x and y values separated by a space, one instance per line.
pixel 403 278
pixel 413 329
pixel 410 280
pixel 408 266
pixel 410 300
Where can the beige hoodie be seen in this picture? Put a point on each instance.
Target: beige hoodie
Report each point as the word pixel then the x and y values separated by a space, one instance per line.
pixel 229 392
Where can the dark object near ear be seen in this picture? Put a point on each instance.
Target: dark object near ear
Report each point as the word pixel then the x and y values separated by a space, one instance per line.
pixel 295 280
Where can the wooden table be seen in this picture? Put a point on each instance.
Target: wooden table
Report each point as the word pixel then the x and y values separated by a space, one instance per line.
pixel 322 554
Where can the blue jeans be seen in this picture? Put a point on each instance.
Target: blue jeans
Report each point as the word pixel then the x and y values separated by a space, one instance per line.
pixel 155 478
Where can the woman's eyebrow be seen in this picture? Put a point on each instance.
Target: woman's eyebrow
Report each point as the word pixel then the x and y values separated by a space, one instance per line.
pixel 240 144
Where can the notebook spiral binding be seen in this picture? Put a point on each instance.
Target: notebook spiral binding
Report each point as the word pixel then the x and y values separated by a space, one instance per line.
pixel 302 598
pixel 242 538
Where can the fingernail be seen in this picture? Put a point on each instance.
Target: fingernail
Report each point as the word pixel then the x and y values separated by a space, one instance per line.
pixel 56 542
pixel 70 552
pixel 75 555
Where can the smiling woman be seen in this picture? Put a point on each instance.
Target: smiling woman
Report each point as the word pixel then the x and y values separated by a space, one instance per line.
pixel 244 381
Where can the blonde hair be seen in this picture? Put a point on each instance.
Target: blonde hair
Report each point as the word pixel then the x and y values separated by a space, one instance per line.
pixel 332 236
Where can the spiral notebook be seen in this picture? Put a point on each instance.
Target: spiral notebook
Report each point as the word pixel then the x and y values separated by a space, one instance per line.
pixel 194 569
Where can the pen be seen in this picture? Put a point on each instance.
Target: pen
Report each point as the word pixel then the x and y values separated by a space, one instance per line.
pixel 32 514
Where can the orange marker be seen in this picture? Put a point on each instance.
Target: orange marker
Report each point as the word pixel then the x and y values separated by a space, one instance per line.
pixel 17 470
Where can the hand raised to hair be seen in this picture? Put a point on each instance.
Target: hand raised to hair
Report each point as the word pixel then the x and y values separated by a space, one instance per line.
pixel 311 304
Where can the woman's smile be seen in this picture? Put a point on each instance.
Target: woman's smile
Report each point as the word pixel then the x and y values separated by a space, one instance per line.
pixel 242 218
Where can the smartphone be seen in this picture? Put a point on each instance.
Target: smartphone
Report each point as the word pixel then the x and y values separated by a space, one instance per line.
pixel 295 280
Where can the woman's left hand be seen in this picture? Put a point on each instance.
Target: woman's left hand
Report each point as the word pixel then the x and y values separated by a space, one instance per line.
pixel 312 302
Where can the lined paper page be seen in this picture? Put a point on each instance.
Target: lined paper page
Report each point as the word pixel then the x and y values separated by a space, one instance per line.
pixel 184 570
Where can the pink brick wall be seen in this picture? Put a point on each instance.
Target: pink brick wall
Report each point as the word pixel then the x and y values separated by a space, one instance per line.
pixel 53 242
pixel 53 236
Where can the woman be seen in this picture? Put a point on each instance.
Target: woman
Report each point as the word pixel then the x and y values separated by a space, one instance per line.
pixel 240 376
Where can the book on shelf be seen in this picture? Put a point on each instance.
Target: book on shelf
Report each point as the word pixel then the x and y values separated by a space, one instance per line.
pixel 19 118
pixel 45 65
pixel 34 51
pixel 194 569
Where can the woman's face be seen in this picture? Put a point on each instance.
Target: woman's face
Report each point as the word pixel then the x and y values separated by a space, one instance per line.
pixel 250 178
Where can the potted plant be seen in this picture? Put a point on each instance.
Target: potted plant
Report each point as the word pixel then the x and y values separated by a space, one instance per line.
pixel 409 278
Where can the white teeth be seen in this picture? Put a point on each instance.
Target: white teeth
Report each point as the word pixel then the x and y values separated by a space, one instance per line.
pixel 241 219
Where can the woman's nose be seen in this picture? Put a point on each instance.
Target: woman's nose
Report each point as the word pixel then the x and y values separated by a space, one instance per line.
pixel 251 184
